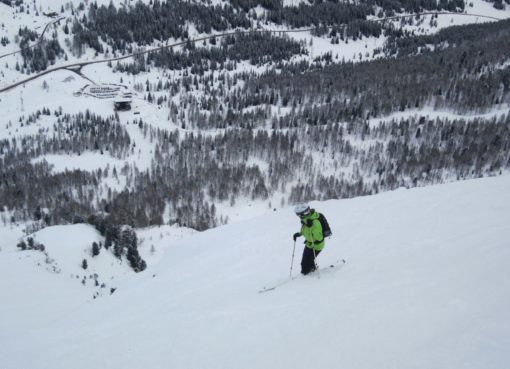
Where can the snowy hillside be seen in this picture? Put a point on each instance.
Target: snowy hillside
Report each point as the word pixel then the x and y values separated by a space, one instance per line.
pixel 224 128
pixel 151 153
pixel 425 286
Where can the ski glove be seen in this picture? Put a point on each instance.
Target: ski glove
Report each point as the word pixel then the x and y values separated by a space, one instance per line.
pixel 296 235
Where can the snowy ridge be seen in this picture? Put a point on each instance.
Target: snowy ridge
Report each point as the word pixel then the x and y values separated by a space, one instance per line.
pixel 425 286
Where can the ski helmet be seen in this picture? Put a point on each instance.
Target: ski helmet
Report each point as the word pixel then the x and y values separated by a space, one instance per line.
pixel 302 209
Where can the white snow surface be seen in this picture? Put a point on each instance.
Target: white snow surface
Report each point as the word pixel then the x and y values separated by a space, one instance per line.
pixel 88 161
pixel 425 286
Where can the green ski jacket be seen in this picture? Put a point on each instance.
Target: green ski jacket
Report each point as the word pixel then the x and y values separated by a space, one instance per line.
pixel 311 229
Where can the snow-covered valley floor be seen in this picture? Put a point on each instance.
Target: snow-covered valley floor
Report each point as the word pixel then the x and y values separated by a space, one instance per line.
pixel 425 286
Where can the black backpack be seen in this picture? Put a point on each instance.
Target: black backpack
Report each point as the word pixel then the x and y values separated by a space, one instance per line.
pixel 326 230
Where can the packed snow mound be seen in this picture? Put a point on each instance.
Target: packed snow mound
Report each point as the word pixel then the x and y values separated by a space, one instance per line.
pixel 68 251
pixel 69 245
pixel 425 286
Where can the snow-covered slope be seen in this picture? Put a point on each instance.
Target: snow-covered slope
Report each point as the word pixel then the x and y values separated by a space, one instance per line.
pixel 425 286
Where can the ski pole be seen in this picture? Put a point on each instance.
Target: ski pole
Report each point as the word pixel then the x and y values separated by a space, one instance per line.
pixel 292 261
pixel 315 262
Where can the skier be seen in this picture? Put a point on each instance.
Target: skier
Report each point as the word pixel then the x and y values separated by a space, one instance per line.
pixel 311 229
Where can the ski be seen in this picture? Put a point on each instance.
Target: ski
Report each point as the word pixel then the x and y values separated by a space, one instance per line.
pixel 267 289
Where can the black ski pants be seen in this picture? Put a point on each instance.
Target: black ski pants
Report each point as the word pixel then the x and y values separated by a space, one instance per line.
pixel 308 260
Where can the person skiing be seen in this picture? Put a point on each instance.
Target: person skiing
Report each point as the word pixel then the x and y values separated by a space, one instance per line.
pixel 311 229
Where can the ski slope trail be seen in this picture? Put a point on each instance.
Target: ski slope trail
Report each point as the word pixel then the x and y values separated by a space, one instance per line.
pixel 425 286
